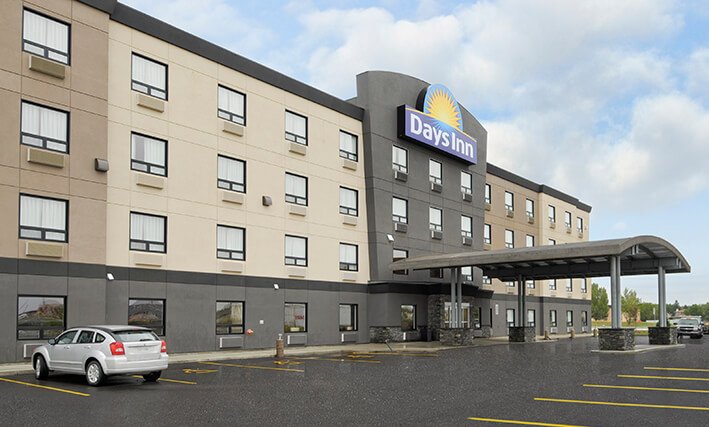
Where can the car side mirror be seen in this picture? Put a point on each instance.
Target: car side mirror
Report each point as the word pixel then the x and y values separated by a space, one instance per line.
pixel 52 341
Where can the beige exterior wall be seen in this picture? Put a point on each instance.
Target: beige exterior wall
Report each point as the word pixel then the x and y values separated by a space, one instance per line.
pixel 83 93
pixel 190 197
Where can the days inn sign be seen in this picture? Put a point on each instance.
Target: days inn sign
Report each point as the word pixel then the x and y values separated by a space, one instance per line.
pixel 437 123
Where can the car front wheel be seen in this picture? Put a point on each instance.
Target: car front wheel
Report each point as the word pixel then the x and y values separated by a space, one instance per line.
pixel 40 368
pixel 94 373
pixel 152 377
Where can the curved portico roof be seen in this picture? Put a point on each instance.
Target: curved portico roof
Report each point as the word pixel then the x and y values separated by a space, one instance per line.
pixel 638 255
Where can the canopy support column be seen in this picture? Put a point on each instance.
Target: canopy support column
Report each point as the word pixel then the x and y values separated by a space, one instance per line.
pixel 520 301
pixel 662 297
pixel 452 312
pixel 616 319
pixel 459 285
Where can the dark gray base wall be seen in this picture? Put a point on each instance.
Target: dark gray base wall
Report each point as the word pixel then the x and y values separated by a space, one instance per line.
pixel 542 307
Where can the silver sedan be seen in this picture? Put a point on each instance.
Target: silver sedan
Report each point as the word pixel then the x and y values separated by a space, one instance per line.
pixel 100 351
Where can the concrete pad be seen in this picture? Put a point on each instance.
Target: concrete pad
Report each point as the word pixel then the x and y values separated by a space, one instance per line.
pixel 641 348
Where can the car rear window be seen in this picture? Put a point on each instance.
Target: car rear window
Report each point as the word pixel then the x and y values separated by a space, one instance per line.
pixel 136 336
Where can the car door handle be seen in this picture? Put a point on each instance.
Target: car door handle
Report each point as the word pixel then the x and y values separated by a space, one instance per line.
pixel 66 347
pixel 87 346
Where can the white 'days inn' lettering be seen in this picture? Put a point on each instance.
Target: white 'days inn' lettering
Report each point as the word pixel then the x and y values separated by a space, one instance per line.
pixel 431 133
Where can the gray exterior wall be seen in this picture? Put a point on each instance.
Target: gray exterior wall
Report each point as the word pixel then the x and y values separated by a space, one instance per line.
pixel 542 307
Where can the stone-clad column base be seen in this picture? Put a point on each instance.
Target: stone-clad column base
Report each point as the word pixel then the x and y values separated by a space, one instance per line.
pixel 522 334
pixel 456 336
pixel 616 339
pixel 658 335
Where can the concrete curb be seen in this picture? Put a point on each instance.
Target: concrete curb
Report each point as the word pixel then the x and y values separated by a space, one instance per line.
pixel 642 349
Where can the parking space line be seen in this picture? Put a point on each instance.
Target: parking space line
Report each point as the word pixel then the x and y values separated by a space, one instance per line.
pixel 268 368
pixel 398 354
pixel 652 368
pixel 632 405
pixel 169 380
pixel 328 359
pixel 628 387
pixel 62 390
pixel 526 423
pixel 660 377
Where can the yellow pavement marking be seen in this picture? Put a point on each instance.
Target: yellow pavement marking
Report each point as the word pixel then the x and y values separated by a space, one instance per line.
pixel 45 387
pixel 659 377
pixel 198 371
pixel 652 368
pixel 329 359
pixel 169 380
pixel 526 423
pixel 397 354
pixel 268 368
pixel 633 405
pixel 628 387
pixel 287 362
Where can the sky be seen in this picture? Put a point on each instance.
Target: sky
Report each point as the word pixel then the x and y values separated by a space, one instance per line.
pixel 604 100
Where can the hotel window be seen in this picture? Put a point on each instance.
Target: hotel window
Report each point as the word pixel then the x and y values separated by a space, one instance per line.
pixel 510 284
pixel 510 317
pixel 466 226
pixel 552 214
pixel 435 219
pixel 487 280
pixel 486 234
pixel 296 128
pixel 567 219
pixel 529 208
pixel 579 224
pixel 466 182
pixel 148 154
pixel 399 159
pixel 348 257
pixel 552 318
pixel 569 285
pixel 348 146
pixel 296 251
pixel 435 273
pixel 42 218
pixel 551 242
pixel 348 201
pixel 569 318
pixel 348 317
pixel 552 284
pixel 45 37
pixel 509 239
pixel 509 201
pixel 230 317
pixel 399 254
pixel 530 241
pixel 435 172
pixel 296 189
pixel 530 284
pixel 467 273
pixel 400 209
pixel 230 242
pixel 148 313
pixel 584 286
pixel 149 77
pixel 231 174
pixel 231 105
pixel 147 232
pixel 465 319
pixel 295 320
pixel 45 127
pixel 531 316
pixel 408 317
pixel 488 194
pixel 40 317
pixel 584 318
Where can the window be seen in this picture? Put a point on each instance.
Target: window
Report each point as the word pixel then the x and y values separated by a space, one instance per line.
pixel 510 317
pixel 584 286
pixel 487 239
pixel 85 337
pixel 348 257
pixel 348 201
pixel 296 189
pixel 296 128
pixel 488 194
pixel 295 320
pixel 467 273
pixel 552 318
pixel 435 219
pixel 529 208
pixel 435 273
pixel 584 318
pixel 45 37
pixel 569 318
pixel 435 172
pixel 147 232
pixel 99 338
pixel 510 284
pixel 230 317
pixel 148 154
pixel 464 320
pixel 487 280
pixel 531 316
pixel 45 127
pixel 466 182
pixel 296 251
pixel 231 174
pixel 552 285
pixel 348 146
pixel 42 218
pixel 509 201
pixel 552 214
pixel 567 219
pixel 530 284
pixel 348 317
pixel 579 224
pixel 148 314
pixel 408 317
pixel 149 77
pixel 530 241
pixel 466 226
pixel 399 159
pixel 551 242
pixel 397 255
pixel 230 242
pixel 509 239
pixel 40 317
pixel 400 210
pixel 66 337
pixel 569 285
pixel 231 105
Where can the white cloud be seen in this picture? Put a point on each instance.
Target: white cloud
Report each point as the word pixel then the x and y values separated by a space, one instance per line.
pixel 697 69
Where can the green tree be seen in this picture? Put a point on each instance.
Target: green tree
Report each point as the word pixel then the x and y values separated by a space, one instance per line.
pixel 671 308
pixel 649 311
pixel 630 304
pixel 698 310
pixel 599 302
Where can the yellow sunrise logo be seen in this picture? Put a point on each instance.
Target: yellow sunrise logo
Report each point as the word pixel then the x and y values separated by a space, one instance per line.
pixel 440 104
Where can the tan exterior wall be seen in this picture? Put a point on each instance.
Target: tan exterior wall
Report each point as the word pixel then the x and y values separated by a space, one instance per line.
pixel 83 93
pixel 190 197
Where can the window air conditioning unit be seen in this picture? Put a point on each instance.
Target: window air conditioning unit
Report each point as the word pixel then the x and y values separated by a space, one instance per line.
pixel 401 176
pixel 467 197
pixel 436 187
pixel 510 213
pixel 437 235
pixel 553 330
pixel 467 241
pixel 584 329
pixel 530 218
pixel 400 227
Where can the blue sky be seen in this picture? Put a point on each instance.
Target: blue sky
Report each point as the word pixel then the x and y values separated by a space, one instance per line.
pixel 605 100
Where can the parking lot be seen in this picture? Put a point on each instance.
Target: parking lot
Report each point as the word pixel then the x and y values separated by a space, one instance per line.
pixel 548 383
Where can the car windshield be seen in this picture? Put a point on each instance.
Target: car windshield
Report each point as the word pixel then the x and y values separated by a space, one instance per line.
pixel 136 336
pixel 687 322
